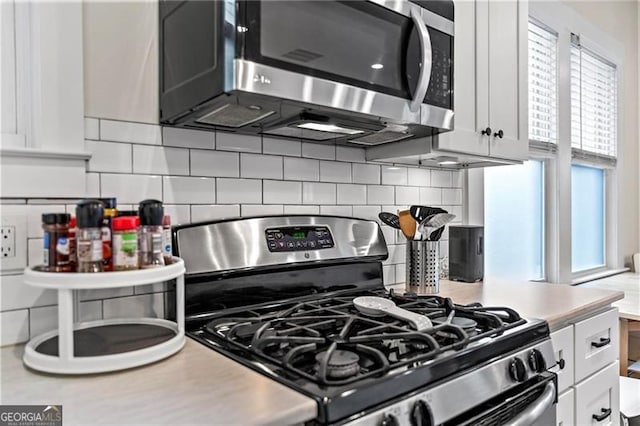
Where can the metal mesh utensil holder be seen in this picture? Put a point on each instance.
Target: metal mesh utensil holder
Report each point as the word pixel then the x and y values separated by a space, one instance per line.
pixel 423 267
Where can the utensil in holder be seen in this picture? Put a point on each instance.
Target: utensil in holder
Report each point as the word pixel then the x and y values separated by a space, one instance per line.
pixel 422 267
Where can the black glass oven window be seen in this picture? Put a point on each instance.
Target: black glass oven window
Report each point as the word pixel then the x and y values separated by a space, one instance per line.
pixel 352 42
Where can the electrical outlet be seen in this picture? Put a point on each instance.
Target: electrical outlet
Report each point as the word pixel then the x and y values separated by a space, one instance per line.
pixel 13 238
pixel 8 241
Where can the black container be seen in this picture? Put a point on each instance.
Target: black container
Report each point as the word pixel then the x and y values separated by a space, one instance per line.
pixel 466 253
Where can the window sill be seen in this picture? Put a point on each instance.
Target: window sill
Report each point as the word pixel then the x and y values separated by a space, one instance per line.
pixel 598 275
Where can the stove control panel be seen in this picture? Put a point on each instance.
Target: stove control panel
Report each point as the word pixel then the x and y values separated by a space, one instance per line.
pixel 298 238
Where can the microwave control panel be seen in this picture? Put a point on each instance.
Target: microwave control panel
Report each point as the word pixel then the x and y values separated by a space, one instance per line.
pixel 298 238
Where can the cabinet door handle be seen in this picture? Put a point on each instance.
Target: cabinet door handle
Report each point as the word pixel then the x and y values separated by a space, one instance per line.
pixel 606 412
pixel 499 134
pixel 603 342
pixel 486 131
pixel 561 363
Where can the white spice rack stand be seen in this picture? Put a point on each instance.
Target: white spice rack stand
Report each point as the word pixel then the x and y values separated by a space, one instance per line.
pixel 110 344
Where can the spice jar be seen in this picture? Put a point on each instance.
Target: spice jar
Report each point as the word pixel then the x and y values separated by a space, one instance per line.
pixel 167 247
pixel 73 255
pixel 89 217
pixel 125 243
pixel 151 213
pixel 110 212
pixel 127 213
pixel 56 242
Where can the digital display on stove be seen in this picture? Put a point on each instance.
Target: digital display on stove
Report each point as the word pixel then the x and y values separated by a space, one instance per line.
pixel 298 238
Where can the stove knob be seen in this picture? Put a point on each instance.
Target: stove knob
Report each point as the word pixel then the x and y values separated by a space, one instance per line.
pixel 389 420
pixel 517 370
pixel 420 414
pixel 536 361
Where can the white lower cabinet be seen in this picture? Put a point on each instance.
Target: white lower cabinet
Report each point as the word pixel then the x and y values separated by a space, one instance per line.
pixel 564 409
pixel 588 384
pixel 598 398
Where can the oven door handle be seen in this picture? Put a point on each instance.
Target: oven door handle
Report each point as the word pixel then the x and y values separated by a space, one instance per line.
pixel 537 408
pixel 427 58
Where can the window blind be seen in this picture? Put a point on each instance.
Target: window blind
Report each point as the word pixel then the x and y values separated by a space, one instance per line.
pixel 594 106
pixel 543 87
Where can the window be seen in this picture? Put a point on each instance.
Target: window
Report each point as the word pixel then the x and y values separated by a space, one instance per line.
pixel 594 111
pixel 514 221
pixel 543 107
pixel 587 218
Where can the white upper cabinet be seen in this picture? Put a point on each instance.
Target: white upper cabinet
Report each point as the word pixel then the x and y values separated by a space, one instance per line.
pixel 490 80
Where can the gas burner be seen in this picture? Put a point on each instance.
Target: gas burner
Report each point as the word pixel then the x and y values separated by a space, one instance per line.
pixel 467 324
pixel 342 363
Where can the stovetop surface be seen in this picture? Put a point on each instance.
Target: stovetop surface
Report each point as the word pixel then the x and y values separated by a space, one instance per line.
pixel 323 346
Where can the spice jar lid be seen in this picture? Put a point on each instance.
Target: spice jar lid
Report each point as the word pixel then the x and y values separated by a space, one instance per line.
pixel 150 212
pixel 124 223
pixel 109 203
pixel 89 214
pixel 72 222
pixel 56 218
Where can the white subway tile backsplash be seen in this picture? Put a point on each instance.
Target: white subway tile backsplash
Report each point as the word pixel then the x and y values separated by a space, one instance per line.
pixel 260 166
pixel 239 191
pixel 160 160
pixel 131 188
pixel 452 196
pixel 104 293
pixel 301 210
pixel 144 305
pixel 122 131
pixel 352 194
pixel 109 156
pixel 301 169
pixel 35 251
pixel 389 233
pixel 397 253
pixel 418 177
pixel 318 193
pixel 42 320
pixel 180 214
pixel 92 185
pixel 431 196
pixel 377 194
pixel 337 210
pixel 187 138
pixel 333 171
pixel 91 128
pixel 14 327
pixel 457 179
pixel 188 190
pixel 366 173
pixel 282 192
pixel 287 147
pixel 352 154
pixel 215 212
pixel 394 175
pixel 17 295
pixel 401 273
pixel 320 151
pixel 366 212
pixel 388 274
pixel 34 217
pixel 441 178
pixel 248 210
pixel 407 195
pixel 215 163
pixel 238 142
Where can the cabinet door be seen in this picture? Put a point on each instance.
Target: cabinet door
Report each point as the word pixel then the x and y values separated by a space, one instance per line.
pixel 563 351
pixel 564 409
pixel 470 98
pixel 508 78
pixel 596 343
pixel 599 396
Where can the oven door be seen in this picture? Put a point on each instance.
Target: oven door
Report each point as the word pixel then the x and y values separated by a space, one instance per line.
pixel 531 404
pixel 352 55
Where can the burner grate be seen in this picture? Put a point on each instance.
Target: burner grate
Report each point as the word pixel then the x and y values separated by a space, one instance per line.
pixel 307 337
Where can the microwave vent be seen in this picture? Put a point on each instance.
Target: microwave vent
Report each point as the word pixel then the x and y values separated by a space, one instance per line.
pixel 231 115
pixel 384 136
pixel 301 55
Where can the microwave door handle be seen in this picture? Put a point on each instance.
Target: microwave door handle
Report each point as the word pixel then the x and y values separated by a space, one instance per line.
pixel 537 408
pixel 425 68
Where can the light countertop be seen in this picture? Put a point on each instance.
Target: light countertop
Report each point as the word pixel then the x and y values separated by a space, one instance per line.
pixel 629 283
pixel 195 386
pixel 558 304
pixel 201 386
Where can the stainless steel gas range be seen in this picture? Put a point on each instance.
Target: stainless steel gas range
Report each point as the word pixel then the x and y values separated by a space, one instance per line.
pixel 277 294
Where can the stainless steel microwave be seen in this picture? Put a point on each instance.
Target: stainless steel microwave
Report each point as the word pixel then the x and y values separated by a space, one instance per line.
pixel 362 72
